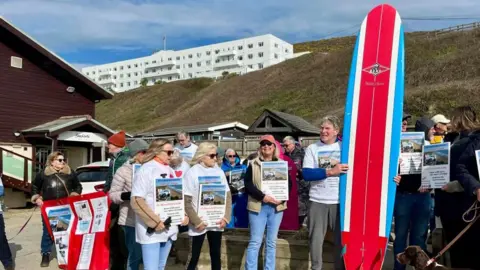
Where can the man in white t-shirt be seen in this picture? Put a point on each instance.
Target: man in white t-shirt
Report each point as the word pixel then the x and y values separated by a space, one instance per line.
pixel 321 166
pixel 185 146
pixel 5 253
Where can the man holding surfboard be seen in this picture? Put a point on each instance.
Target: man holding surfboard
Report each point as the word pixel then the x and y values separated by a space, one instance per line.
pixel 321 166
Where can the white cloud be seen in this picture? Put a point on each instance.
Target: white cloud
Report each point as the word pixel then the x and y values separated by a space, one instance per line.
pixel 70 25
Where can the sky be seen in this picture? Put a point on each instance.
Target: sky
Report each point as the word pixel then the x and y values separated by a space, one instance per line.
pixel 89 32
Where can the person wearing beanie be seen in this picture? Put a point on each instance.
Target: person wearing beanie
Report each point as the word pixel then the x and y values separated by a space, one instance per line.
pixel 119 154
pixel 120 193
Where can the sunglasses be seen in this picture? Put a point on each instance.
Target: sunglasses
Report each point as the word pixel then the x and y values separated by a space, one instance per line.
pixel 60 160
pixel 263 143
pixel 212 156
pixel 231 156
pixel 169 152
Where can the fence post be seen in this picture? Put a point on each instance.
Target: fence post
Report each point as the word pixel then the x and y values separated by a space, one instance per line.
pixel 244 146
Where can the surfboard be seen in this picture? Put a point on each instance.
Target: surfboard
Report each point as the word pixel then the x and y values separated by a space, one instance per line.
pixel 371 138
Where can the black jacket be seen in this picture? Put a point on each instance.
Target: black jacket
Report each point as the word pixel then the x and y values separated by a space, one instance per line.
pixel 452 205
pixel 466 170
pixel 48 185
pixel 411 183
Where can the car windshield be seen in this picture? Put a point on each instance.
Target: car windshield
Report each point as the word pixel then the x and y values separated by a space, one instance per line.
pixel 97 174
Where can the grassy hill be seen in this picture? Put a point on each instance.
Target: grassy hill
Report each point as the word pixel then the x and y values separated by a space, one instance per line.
pixel 441 73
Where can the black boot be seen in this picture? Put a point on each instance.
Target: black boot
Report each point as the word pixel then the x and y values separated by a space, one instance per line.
pixel 45 260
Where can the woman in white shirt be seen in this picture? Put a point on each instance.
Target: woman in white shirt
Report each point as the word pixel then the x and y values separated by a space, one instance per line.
pixel 156 244
pixel 205 161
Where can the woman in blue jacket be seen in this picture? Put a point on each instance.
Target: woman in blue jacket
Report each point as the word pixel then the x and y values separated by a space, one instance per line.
pixel 232 165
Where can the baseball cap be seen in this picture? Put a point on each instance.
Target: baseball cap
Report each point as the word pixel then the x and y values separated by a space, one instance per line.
pixel 136 146
pixel 267 137
pixel 440 118
pixel 406 116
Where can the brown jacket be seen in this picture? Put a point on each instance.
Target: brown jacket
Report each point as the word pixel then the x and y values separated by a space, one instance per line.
pixel 256 176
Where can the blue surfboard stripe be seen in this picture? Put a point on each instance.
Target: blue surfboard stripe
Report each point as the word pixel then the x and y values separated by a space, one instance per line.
pixel 396 130
pixel 346 129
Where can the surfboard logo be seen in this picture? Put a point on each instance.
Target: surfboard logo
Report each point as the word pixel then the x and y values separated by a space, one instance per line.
pixel 376 69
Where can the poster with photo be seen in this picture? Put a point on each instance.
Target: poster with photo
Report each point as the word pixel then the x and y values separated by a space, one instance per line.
pixel 204 180
pixel 169 199
pixel 84 214
pixel 212 203
pixel 60 219
pixel 236 179
pixel 436 165
pixel 327 160
pixel 275 179
pixel 411 152
pixel 100 210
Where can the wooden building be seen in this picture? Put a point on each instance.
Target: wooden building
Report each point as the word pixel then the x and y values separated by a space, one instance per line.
pixel 45 105
pixel 281 124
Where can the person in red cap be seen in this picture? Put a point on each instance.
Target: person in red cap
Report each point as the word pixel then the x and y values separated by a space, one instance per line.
pixel 119 154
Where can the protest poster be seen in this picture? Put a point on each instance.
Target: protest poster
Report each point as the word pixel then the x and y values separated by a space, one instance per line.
pixel 60 219
pixel 275 179
pixel 169 199
pixel 79 245
pixel 236 179
pixel 411 152
pixel 327 159
pixel 436 165
pixel 212 203
pixel 477 157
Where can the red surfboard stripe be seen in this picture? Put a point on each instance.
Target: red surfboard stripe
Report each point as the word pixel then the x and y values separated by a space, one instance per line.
pixel 368 157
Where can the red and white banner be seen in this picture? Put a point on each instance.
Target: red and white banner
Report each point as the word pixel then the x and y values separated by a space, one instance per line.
pixel 79 226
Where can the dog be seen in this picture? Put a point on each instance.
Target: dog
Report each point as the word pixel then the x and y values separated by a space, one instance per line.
pixel 416 257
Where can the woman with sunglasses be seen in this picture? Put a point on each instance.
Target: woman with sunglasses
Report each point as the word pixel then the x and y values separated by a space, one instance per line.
pixel 264 210
pixel 120 193
pixel 155 244
pixel 205 160
pixel 232 162
pixel 56 182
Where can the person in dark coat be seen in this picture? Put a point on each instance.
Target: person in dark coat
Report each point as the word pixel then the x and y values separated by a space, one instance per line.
pixel 449 203
pixel 466 172
pixel 412 205
pixel 57 181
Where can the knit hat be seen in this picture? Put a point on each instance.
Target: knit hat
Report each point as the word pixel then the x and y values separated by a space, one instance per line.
pixel 136 146
pixel 118 139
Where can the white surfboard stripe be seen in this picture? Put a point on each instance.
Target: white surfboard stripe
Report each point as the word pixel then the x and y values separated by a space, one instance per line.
pixel 388 129
pixel 353 124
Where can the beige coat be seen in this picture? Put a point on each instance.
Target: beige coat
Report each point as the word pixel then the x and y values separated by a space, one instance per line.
pixel 255 205
pixel 122 182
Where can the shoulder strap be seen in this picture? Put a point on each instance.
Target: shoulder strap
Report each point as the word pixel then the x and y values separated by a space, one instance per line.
pixel 63 183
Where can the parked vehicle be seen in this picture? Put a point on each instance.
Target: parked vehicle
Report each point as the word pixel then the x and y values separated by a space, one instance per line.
pixel 92 175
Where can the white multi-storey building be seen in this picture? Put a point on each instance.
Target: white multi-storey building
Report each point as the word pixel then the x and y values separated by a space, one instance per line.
pixel 238 56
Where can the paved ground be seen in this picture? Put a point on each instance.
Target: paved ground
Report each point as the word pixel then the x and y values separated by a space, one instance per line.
pixel 26 246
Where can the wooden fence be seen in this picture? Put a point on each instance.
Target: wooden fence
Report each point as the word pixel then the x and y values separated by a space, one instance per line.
pixel 460 27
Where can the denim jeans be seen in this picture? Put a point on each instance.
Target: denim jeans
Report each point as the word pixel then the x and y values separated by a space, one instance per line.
pixel 134 248
pixel 412 214
pixel 5 253
pixel 155 255
pixel 269 217
pixel 47 242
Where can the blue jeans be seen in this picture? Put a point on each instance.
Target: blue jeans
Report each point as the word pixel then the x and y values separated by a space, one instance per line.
pixel 412 214
pixel 47 242
pixel 269 217
pixel 134 248
pixel 5 253
pixel 155 255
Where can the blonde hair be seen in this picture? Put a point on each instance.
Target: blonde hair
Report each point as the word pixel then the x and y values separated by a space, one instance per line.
pixel 464 119
pixel 53 156
pixel 202 151
pixel 332 120
pixel 155 148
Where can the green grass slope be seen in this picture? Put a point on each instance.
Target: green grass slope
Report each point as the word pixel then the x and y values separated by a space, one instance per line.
pixel 441 73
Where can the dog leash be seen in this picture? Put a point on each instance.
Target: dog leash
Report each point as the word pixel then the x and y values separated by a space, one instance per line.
pixel 24 225
pixel 474 208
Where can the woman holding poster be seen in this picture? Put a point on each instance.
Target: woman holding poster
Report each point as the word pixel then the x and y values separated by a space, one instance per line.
pixel 208 204
pixel 56 182
pixel 264 209
pixel 152 233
